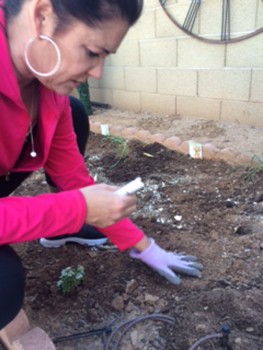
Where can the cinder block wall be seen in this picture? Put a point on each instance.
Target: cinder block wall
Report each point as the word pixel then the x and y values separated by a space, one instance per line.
pixel 160 69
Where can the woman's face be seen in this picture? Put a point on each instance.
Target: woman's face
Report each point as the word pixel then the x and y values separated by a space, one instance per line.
pixel 83 51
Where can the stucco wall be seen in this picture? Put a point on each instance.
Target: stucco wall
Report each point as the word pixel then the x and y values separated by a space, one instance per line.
pixel 160 69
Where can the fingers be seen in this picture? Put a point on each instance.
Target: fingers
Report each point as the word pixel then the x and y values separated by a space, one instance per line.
pixel 105 207
pixel 187 270
pixel 187 257
pixel 169 275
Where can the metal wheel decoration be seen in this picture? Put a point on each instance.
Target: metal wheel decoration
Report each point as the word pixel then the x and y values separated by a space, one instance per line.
pixel 216 21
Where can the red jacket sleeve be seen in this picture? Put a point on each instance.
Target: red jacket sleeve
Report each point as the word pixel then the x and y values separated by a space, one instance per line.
pixel 65 165
pixel 124 234
pixel 29 218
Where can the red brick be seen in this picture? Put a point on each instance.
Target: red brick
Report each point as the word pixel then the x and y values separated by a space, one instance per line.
pixel 173 142
pixel 159 138
pixel 184 147
pixel 144 136
pixel 228 155
pixel 116 130
pixel 35 339
pixel 95 127
pixel 129 132
pixel 18 326
pixel 209 151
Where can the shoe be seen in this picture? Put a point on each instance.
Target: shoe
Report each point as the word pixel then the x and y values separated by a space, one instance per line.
pixel 87 235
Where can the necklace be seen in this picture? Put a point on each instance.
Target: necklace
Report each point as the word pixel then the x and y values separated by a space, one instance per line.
pixel 33 153
pixel 31 112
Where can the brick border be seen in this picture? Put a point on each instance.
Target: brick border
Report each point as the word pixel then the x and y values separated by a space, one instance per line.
pixel 175 143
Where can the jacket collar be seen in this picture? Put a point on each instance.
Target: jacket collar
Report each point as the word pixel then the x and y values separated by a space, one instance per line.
pixel 8 82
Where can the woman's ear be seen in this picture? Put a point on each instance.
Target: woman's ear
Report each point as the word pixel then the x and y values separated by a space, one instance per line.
pixel 43 17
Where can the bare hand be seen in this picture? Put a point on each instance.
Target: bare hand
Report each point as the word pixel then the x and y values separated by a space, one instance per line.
pixel 105 207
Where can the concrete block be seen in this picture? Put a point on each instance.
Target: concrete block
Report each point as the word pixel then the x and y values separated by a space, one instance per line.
pixel 246 13
pixel 198 107
pixel 101 95
pixel 227 84
pixel 140 79
pixel 196 54
pixel 158 103
pixel 211 24
pixel 150 4
pixel 250 113
pixel 127 54
pixel 112 78
pixel 158 52
pixel 257 85
pixel 144 28
pixel 177 82
pixel 165 27
pixel 247 53
pixel 127 100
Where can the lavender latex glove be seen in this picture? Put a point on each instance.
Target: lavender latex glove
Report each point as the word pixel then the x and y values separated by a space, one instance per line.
pixel 164 262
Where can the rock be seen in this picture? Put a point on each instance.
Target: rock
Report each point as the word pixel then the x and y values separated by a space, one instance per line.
pixel 118 303
pixel 202 328
pixel 151 299
pixel 131 286
pixel 229 203
pixel 93 315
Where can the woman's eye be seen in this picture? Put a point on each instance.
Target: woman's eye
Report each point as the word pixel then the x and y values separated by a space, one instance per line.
pixel 91 54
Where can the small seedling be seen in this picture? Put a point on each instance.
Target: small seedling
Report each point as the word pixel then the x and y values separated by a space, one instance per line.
pixel 121 148
pixel 70 278
pixel 256 169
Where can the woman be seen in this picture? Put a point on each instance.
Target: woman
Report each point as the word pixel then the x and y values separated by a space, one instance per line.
pixel 48 47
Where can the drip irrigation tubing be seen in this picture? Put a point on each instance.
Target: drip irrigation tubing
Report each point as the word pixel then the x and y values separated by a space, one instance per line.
pixel 117 333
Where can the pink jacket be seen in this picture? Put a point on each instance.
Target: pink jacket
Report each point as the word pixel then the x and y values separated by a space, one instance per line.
pixel 28 218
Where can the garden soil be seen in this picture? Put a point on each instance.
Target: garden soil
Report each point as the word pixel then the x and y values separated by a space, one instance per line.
pixel 208 209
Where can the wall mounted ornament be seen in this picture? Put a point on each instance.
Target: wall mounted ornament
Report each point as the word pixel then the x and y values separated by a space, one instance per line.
pixel 216 21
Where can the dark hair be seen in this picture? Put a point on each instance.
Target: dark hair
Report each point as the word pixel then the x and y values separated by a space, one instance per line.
pixel 90 12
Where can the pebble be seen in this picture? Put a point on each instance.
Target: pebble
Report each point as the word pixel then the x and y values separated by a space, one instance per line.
pixel 118 303
pixel 131 286
pixel 151 299
pixel 250 329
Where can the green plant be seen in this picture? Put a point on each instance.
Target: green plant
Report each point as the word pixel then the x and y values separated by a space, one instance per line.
pixel 255 169
pixel 84 96
pixel 70 278
pixel 121 148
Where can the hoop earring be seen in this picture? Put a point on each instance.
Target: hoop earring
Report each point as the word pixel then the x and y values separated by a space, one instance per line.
pixel 57 65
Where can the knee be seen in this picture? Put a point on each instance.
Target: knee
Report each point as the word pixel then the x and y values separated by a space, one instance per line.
pixel 80 123
pixel 12 285
pixel 79 114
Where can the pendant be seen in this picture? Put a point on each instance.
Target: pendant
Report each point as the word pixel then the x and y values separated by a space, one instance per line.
pixel 33 154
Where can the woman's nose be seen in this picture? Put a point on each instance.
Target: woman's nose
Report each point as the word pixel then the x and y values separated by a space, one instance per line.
pixel 96 71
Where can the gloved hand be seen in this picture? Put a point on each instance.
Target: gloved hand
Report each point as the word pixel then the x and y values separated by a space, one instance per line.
pixel 164 262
